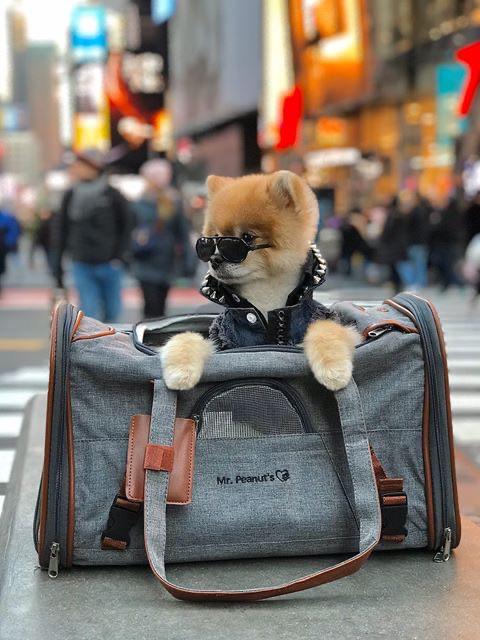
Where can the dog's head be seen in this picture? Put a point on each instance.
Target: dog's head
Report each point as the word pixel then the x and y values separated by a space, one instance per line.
pixel 278 209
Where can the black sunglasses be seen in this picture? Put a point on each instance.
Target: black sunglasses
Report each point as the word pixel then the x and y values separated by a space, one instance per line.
pixel 231 249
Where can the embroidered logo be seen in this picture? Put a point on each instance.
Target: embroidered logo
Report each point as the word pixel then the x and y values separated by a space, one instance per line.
pixel 281 475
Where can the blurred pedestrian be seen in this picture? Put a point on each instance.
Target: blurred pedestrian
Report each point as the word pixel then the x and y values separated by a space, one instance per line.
pixel 10 231
pixel 472 219
pixel 160 239
pixel 418 224
pixel 94 225
pixel 447 233
pixel 392 245
pixel 41 236
pixel 353 241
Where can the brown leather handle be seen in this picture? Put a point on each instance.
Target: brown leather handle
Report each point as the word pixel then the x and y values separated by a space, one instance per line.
pixel 357 449
pixel 324 576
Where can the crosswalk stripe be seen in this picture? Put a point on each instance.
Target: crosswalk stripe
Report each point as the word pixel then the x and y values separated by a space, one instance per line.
pixel 10 425
pixel 14 399
pixel 7 456
pixel 26 375
pixel 466 430
pixel 465 381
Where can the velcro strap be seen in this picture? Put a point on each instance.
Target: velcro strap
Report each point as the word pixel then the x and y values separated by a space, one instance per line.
pixel 158 457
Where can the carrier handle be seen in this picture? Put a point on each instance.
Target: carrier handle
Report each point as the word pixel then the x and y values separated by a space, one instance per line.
pixel 364 487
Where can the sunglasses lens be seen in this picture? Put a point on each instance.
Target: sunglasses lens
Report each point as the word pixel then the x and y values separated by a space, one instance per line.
pixel 232 249
pixel 205 248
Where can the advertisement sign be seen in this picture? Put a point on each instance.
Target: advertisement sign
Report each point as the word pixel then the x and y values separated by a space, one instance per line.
pixel 89 43
pixel 329 50
pixel 449 82
pixel 88 34
pixel 136 81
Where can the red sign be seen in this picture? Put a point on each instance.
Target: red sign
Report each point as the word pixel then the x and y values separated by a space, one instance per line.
pixel 470 56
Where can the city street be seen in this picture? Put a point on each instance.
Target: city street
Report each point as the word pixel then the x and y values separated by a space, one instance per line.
pixel 24 327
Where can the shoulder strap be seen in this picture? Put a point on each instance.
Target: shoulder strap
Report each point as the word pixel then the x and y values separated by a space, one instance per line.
pixel 365 494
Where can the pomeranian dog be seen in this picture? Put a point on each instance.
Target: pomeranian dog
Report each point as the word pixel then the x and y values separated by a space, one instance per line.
pixel 263 268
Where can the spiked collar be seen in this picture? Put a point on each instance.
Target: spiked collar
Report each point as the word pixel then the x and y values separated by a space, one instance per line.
pixel 313 275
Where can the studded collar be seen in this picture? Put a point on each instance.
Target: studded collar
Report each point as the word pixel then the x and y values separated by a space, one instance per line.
pixel 313 275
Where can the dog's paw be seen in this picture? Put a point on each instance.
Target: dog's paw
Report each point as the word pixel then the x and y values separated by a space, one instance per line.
pixel 329 348
pixel 183 360
pixel 333 377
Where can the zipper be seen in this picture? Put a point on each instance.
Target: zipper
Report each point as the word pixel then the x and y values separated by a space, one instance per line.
pixel 288 391
pixel 53 561
pixel 57 491
pixel 443 555
pixel 422 315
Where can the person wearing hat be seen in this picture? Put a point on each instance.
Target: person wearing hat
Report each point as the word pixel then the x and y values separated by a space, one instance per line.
pixel 93 225
pixel 161 241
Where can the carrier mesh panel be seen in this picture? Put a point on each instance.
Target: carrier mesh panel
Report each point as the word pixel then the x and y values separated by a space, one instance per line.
pixel 249 411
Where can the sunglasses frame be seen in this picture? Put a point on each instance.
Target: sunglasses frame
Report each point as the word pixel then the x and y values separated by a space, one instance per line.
pixel 217 242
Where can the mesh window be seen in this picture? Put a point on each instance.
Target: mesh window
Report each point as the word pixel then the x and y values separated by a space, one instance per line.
pixel 249 411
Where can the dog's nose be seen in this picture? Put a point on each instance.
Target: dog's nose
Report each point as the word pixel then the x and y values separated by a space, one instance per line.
pixel 216 261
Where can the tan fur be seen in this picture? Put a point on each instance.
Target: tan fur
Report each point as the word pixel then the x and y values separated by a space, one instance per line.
pixel 281 210
pixel 329 349
pixel 179 354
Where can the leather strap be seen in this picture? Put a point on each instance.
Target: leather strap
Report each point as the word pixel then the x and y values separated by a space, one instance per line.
pixel 365 493
pixel 393 503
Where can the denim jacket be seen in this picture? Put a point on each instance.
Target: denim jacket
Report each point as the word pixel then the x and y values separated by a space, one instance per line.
pixel 243 325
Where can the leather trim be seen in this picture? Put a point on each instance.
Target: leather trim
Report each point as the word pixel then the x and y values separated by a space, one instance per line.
pixel 137 442
pixel 425 441
pixel 77 323
pixel 158 457
pixel 71 481
pixel 181 473
pixel 92 336
pixel 109 544
pixel 48 433
pixel 443 353
pixel 385 324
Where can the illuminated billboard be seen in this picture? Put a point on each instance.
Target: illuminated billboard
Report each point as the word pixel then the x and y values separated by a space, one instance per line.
pixel 328 38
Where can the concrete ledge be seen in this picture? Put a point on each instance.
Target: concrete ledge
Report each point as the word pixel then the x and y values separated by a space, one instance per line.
pixel 397 595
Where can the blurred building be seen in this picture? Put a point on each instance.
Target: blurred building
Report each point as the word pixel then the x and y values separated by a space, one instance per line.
pixel 367 94
pixel 215 82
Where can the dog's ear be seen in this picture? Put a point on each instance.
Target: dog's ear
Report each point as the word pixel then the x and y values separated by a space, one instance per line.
pixel 215 183
pixel 285 188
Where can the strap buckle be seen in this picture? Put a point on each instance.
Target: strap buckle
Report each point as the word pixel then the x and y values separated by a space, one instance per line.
pixel 121 519
pixel 394 507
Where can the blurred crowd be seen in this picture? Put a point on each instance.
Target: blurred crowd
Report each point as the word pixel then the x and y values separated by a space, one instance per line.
pixel 99 232
pixel 413 242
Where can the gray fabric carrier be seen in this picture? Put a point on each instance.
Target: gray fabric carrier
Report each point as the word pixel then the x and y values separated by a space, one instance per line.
pixel 282 466
pixel 250 433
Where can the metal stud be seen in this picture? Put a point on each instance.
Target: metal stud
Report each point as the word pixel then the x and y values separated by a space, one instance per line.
pixel 316 279
pixel 221 300
pixel 206 290
pixel 213 295
pixel 235 297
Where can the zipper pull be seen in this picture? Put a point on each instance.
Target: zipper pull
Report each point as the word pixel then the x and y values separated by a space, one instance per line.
pixel 53 562
pixel 444 554
pixel 376 333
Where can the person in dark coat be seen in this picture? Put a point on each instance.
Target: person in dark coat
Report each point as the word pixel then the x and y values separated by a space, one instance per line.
pixel 447 232
pixel 472 219
pixel 393 243
pixel 353 242
pixel 418 229
pixel 94 226
pixel 160 239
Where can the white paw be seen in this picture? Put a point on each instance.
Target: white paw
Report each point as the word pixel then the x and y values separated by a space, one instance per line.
pixel 183 360
pixel 333 377
pixel 181 379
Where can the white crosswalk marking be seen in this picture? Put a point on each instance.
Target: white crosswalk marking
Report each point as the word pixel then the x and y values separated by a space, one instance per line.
pixel 462 336
pixel 16 389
